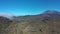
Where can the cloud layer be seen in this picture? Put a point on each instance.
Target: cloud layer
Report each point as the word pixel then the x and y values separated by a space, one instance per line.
pixel 7 15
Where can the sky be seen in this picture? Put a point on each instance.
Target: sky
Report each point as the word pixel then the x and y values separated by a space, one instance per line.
pixel 27 7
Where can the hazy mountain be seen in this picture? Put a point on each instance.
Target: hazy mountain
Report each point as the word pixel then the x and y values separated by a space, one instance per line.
pixel 46 15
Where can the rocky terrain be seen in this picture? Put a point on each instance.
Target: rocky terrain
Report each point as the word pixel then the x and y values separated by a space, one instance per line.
pixel 46 23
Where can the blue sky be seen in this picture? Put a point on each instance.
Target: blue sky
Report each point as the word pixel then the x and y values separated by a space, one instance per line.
pixel 28 7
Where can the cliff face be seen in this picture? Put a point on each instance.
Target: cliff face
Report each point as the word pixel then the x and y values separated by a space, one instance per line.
pixel 46 23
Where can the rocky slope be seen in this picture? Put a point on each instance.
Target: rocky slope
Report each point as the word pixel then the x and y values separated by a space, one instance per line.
pixel 46 23
pixel 4 23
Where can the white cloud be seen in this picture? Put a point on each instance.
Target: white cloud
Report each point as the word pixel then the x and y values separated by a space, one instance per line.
pixel 8 15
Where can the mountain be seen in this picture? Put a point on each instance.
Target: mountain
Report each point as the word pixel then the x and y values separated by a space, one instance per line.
pixel 46 15
pixel 45 23
pixel 4 23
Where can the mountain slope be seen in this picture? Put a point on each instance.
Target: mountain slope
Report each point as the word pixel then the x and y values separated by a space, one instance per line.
pixel 4 23
pixel 46 23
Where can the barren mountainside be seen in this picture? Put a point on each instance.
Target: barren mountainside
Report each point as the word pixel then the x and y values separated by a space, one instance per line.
pixel 46 23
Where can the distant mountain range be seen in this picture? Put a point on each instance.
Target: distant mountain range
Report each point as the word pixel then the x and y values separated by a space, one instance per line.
pixel 45 23
pixel 46 15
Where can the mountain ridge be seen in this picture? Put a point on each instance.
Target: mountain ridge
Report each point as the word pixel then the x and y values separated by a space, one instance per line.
pixel 46 14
